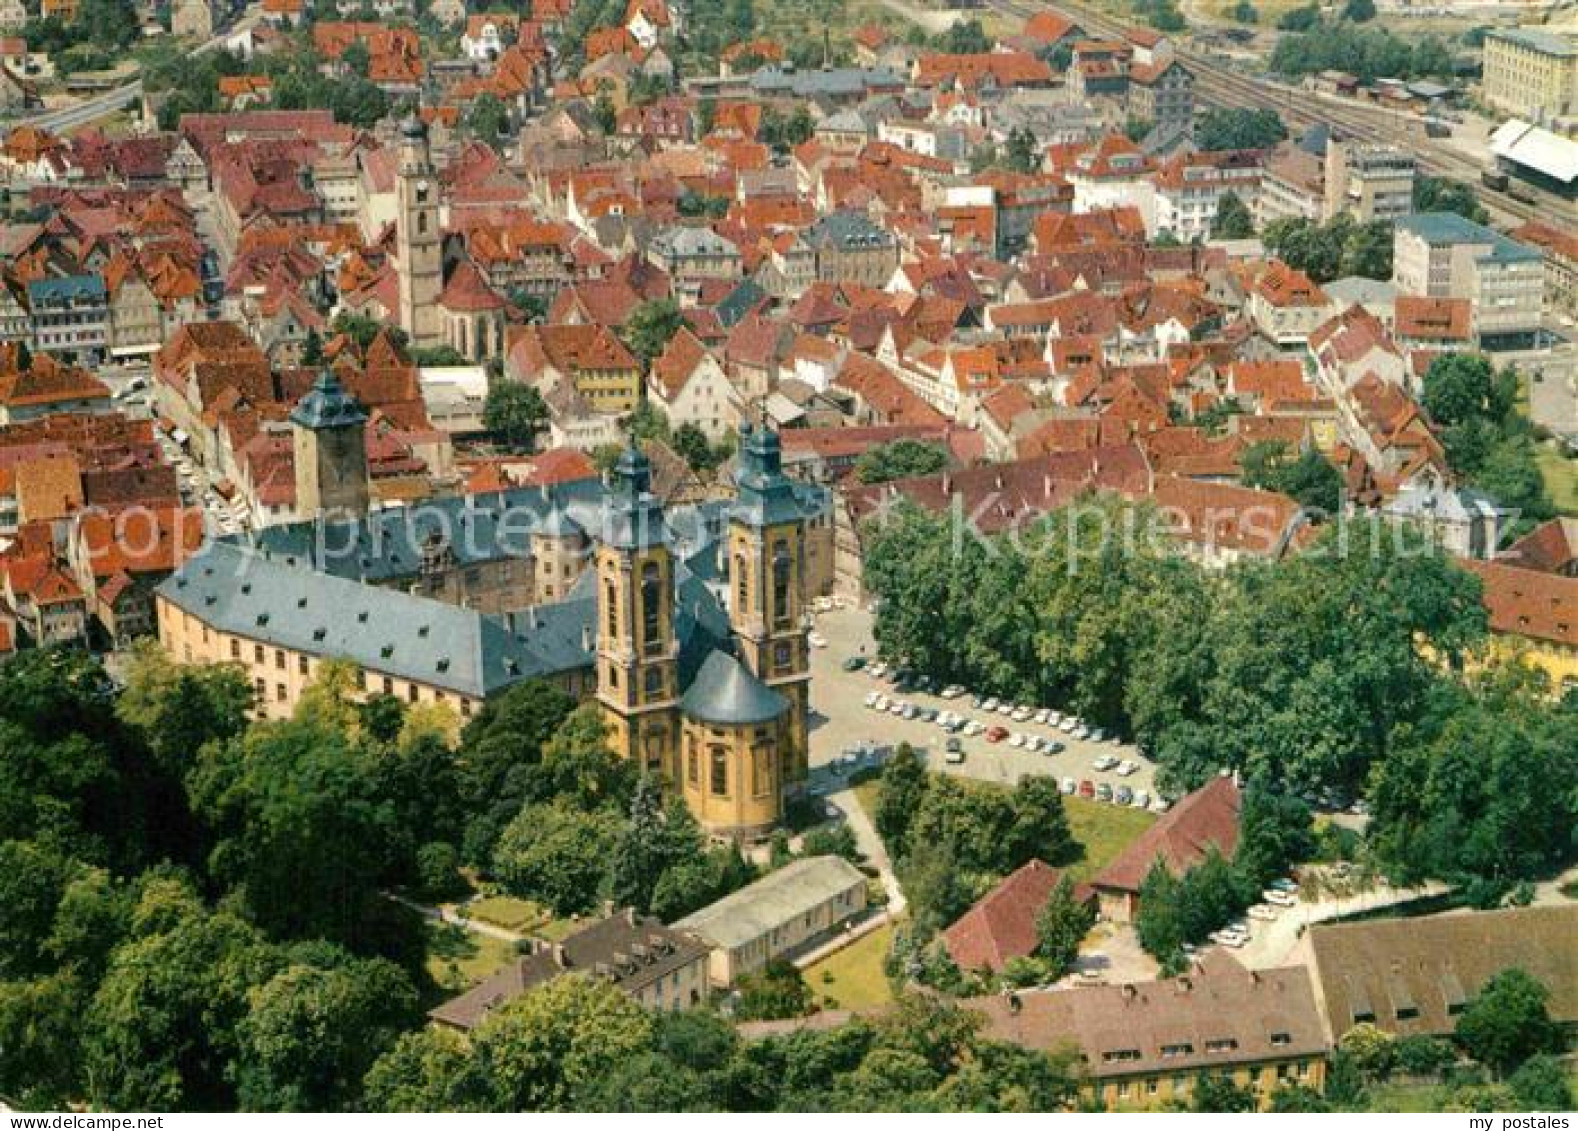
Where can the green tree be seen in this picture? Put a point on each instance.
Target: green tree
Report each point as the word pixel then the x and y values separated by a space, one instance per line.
pixel 650 326
pixel 1061 926
pixel 515 413
pixel 1541 1084
pixel 487 118
pixel 1358 11
pixel 428 1070
pixel 301 798
pixel 1371 1049
pixel 541 1050
pixel 161 1028
pixel 693 446
pixel 311 1033
pixel 557 855
pixel 900 459
pixel 1441 194
pixel 775 991
pixel 1296 1099
pixel 1215 1092
pixel 900 792
pixel 499 760
pixel 1232 220
pixel 1310 478
pixel 1507 1022
pixel 1237 128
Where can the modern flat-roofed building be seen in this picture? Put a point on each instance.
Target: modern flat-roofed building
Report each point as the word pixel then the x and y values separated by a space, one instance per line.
pixel 782 913
pixel 1443 255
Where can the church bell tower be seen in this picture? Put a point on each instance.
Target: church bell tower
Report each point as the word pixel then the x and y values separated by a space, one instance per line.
pixel 419 244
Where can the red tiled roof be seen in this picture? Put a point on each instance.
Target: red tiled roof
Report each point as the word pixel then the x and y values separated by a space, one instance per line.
pixel 1002 924
pixel 1208 816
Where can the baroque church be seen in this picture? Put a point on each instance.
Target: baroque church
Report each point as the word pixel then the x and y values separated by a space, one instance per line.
pixel 687 626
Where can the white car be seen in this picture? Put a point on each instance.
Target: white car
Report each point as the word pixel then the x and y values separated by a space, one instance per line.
pixel 1005 708
pixel 1142 800
pixel 1041 716
pixel 1126 767
pixel 974 727
pixel 878 670
pixel 872 697
pixel 1016 739
pixel 1280 898
pixel 1054 718
pixel 1082 731
pixel 1066 726
pixel 816 639
pixel 1021 714
pixel 1104 763
pixel 989 706
pixel 1263 911
pixel 952 691
pixel 1228 937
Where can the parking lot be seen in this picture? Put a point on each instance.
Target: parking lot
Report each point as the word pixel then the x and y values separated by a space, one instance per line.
pixel 841 720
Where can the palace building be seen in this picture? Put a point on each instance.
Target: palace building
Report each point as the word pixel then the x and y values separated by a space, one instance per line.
pixel 686 624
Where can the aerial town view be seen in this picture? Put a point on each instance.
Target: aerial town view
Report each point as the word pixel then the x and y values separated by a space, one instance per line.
pixel 840 556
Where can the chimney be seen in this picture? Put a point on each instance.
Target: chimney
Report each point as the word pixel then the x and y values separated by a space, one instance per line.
pixel 1014 1004
pixel 1185 983
pixel 586 637
pixel 1129 992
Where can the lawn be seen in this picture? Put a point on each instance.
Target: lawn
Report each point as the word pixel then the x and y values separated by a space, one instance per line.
pixel 1104 830
pixel 853 978
pixel 508 912
pixel 1561 477
pixel 1405 1097
pixel 458 959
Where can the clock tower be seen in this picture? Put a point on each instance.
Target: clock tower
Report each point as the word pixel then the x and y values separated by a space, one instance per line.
pixel 419 244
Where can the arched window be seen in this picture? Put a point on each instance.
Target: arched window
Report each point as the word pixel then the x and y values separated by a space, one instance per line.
pixel 421 223
pixel 720 771
pixel 610 611
pixel 741 584
pixel 781 573
pixel 651 607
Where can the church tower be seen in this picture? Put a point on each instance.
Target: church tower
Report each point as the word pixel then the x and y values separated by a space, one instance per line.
pixel 328 430
pixel 419 244
pixel 766 567
pixel 637 649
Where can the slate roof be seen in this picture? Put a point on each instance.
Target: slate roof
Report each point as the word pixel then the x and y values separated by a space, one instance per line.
pixel 724 692
pixel 630 951
pixel 767 496
pixel 328 405
pixel 239 590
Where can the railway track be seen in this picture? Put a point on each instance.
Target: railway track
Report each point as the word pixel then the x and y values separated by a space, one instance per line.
pixel 1222 86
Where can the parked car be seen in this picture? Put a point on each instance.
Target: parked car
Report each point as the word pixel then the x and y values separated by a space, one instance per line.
pixel 1263 911
pixel 1021 714
pixel 1054 718
pixel 1123 795
pixel 1067 785
pixel 990 705
pixel 1104 763
pixel 909 711
pixel 1082 731
pixel 952 691
pixel 1005 708
pixel 1042 715
pixel 996 734
pixel 1280 898
pixel 1055 747
pixel 974 727
pixel 878 670
pixel 1126 767
pixel 1161 805
pixel 976 702
pixel 854 663
pixel 1016 740
pixel 1087 788
pixel 1066 726
pixel 953 752
pixel 872 697
pixel 1287 885
pixel 927 714
pixel 1103 791
pixel 1098 735
pixel 1142 800
pixel 816 639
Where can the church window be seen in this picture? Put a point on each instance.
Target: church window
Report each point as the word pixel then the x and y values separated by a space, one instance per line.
pixel 651 607
pixel 783 654
pixel 720 771
pixel 692 764
pixel 781 572
pixel 741 584
pixel 610 610
pixel 762 770
pixel 654 681
pixel 421 223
